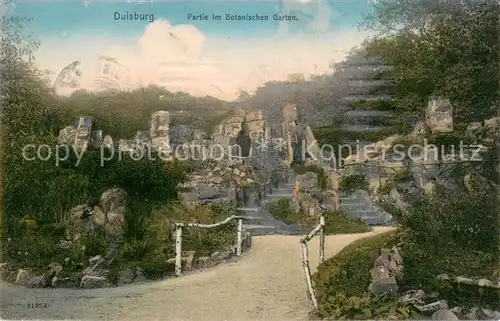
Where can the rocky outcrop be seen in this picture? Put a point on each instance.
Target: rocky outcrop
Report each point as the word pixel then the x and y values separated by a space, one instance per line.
pixel 216 183
pixel 388 269
pixel 308 196
pixel 439 116
pixel 108 218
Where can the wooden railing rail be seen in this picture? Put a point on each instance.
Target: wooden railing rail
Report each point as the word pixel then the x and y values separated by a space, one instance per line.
pixel 178 237
pixel 318 229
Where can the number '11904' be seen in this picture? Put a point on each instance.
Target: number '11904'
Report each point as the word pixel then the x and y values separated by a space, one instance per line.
pixel 37 305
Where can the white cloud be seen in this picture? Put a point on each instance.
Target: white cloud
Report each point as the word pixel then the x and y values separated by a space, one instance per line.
pixel 180 57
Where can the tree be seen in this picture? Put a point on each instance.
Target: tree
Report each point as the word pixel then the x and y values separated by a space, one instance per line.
pixel 442 48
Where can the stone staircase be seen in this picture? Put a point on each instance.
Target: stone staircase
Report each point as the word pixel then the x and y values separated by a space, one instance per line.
pixel 260 221
pixel 360 205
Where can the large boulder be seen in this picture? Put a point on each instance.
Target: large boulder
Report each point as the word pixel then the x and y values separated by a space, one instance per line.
pixel 93 282
pixel 114 200
pixel 67 136
pixel 439 116
pixel 387 270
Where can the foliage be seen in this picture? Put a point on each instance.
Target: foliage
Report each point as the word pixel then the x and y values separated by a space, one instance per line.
pixel 122 114
pixel 337 137
pixel 353 182
pixel 320 172
pixel 348 272
pixel 203 241
pixel 365 307
pixel 382 105
pixel 454 233
pixel 282 210
pixel 337 222
pixel 37 195
pixel 434 49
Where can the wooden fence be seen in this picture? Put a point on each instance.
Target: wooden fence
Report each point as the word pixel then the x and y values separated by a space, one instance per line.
pixel 178 237
pixel 319 229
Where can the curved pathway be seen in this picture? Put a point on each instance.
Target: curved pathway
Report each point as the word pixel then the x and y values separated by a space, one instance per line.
pixel 266 283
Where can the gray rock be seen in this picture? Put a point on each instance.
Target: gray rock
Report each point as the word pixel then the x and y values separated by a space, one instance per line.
pixel 54 269
pixel 383 286
pixel 126 276
pixel 203 262
pixel 221 256
pixel 22 277
pixel 92 282
pixel 67 136
pixel 62 283
pixel 476 313
pixel 414 297
pixel 444 314
pixel 36 282
pixel 307 181
pixel 114 200
pixel 439 116
pixel 98 216
pixel 206 191
pixel 140 275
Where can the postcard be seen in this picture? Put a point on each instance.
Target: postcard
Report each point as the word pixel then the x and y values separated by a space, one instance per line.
pixel 249 160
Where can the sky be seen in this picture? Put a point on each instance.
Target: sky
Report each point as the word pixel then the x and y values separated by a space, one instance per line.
pixel 202 57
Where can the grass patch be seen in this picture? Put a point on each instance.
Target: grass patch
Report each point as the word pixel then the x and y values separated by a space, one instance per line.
pixel 350 183
pixel 348 272
pixel 335 222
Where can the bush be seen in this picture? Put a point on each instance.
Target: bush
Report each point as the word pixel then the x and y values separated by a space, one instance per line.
pixel 335 223
pixel 456 233
pixel 365 307
pixel 282 210
pixel 351 183
pixel 348 272
pixel 203 241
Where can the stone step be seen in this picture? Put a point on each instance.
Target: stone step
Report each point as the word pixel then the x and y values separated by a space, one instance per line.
pixel 280 194
pixel 362 214
pixel 248 209
pixel 352 201
pixel 258 230
pixel 283 189
pixel 274 197
pixel 356 207
pixel 373 221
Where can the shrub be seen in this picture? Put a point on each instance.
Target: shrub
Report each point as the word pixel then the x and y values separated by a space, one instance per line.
pixel 365 307
pixel 401 177
pixel 351 183
pixel 203 241
pixel 454 233
pixel 282 210
pixel 348 272
pixel 335 223
pixel 156 265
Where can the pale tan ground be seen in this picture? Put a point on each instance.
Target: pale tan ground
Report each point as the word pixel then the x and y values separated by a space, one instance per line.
pixel 267 283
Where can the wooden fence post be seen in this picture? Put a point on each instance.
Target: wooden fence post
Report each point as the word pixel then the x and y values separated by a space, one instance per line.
pixel 322 239
pixel 239 238
pixel 307 274
pixel 178 251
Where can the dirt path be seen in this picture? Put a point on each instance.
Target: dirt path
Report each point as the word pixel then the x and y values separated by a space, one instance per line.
pixel 265 284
